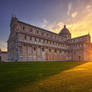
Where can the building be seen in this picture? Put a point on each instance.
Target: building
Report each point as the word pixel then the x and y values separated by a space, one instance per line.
pixel 30 43
pixel 3 56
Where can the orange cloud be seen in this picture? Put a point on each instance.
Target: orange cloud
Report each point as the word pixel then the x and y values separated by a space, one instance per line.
pixel 74 14
pixel 81 27
pixel 69 8
pixel 3 46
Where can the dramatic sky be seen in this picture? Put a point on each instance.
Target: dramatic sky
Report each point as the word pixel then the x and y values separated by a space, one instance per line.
pixel 47 14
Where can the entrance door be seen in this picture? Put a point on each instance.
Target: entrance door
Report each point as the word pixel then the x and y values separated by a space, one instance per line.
pixel 79 58
pixel 0 58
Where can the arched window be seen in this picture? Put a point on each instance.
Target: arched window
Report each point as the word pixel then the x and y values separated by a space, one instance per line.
pixel 37 32
pixel 30 38
pixel 25 37
pixel 34 49
pixel 42 49
pixel 35 39
pixel 23 28
pixel 0 58
pixel 30 30
pixel 49 50
pixel 55 50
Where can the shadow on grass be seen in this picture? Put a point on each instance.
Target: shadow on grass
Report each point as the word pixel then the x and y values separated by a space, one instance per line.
pixel 18 74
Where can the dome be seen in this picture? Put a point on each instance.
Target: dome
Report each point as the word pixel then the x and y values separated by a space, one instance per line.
pixel 64 31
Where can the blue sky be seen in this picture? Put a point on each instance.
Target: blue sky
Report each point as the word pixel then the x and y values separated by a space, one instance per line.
pixel 48 14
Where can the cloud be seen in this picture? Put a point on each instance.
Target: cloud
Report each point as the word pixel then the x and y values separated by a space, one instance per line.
pixel 60 24
pixel 82 26
pixel 45 23
pixel 3 45
pixel 69 8
pixel 74 14
pixel 54 27
pixel 88 6
pixel 58 27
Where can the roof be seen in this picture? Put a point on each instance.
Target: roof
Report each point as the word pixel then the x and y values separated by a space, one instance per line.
pixel 37 27
pixel 64 31
pixel 14 18
pixel 79 39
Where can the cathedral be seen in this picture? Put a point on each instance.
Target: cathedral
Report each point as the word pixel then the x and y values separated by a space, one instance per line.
pixel 30 43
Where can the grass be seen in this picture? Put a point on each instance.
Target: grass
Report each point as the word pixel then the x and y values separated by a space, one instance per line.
pixel 39 76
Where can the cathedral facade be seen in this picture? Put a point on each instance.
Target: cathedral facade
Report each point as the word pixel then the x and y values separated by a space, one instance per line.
pixel 30 43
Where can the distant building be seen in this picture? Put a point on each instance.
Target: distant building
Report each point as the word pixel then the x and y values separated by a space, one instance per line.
pixel 30 43
pixel 3 56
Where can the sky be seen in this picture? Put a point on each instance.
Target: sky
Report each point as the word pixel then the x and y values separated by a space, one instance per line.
pixel 47 14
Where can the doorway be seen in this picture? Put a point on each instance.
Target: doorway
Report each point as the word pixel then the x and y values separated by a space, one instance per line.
pixel 0 58
pixel 79 58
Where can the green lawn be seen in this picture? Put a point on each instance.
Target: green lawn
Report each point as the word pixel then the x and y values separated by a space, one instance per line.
pixel 41 77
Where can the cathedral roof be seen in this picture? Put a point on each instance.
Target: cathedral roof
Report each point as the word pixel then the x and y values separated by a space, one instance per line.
pixel 37 27
pixel 80 39
pixel 64 31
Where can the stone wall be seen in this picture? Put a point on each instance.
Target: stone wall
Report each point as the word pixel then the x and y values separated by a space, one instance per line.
pixel 30 43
